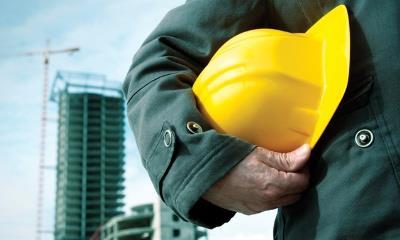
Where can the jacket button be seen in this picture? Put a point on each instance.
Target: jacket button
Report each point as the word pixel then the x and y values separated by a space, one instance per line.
pixel 194 127
pixel 364 138
pixel 168 135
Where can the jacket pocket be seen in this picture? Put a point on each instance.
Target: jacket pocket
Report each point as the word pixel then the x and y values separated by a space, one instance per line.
pixel 356 95
pixel 160 157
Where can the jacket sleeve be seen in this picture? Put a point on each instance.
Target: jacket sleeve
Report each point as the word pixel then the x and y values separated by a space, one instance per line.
pixel 182 165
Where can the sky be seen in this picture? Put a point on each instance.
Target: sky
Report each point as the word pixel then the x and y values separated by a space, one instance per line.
pixel 108 34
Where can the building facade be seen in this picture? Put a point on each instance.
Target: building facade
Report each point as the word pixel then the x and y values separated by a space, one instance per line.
pixel 90 155
pixel 151 222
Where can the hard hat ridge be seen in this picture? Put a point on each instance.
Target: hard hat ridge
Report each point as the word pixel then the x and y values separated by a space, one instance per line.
pixel 277 89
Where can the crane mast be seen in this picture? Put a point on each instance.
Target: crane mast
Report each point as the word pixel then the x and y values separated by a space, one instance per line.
pixel 45 53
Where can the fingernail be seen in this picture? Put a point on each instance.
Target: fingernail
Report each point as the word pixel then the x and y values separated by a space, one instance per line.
pixel 303 150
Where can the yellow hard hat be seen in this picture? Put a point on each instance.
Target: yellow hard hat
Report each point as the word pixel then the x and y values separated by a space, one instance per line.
pixel 277 89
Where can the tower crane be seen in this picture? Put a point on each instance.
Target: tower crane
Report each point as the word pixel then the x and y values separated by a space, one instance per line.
pixel 45 53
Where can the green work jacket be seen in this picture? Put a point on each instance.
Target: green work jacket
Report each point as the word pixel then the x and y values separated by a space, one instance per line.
pixel 355 167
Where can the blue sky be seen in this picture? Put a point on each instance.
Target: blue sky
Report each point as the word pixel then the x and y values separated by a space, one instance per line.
pixel 108 33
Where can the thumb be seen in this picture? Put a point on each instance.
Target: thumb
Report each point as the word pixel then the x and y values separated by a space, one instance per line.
pixel 289 162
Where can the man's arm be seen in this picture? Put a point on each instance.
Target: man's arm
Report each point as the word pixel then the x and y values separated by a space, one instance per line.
pixel 185 166
pixel 161 102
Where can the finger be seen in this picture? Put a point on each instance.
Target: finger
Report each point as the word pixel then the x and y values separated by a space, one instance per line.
pixel 286 200
pixel 254 208
pixel 295 182
pixel 272 204
pixel 284 183
pixel 288 162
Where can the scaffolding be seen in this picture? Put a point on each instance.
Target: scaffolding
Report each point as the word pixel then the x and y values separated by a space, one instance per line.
pixel 90 160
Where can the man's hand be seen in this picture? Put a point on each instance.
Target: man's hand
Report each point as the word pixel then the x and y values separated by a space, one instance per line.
pixel 263 180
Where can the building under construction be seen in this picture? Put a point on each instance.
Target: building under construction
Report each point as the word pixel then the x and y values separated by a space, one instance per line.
pixel 90 160
pixel 150 222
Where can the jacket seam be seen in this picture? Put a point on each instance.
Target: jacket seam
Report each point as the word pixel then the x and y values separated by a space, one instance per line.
pixel 155 147
pixel 133 93
pixel 302 8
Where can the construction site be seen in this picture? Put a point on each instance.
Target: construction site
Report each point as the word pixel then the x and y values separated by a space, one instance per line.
pixel 90 154
pixel 71 169
pixel 89 197
pixel 90 168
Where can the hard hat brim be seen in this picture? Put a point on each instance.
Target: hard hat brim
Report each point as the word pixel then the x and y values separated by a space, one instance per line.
pixel 333 29
pixel 278 89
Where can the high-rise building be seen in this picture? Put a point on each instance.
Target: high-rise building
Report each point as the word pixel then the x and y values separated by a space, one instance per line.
pixel 150 222
pixel 90 160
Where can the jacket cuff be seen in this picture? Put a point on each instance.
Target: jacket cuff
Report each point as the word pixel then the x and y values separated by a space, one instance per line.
pixel 217 163
pixel 201 210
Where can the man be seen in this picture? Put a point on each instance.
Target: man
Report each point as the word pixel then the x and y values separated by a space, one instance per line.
pixel 206 177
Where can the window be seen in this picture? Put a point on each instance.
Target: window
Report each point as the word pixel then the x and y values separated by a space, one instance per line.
pixel 176 233
pixel 175 218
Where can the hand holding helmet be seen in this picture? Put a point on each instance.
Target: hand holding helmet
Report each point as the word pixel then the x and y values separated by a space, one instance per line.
pixel 277 90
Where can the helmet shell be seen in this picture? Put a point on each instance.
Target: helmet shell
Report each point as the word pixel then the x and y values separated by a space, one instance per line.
pixel 277 89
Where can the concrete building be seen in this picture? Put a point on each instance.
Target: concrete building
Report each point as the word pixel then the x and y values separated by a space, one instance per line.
pixel 151 222
pixel 90 154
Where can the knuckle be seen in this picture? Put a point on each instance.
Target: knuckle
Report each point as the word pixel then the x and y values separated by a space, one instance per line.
pixel 285 160
pixel 264 185
pixel 294 181
pixel 268 178
pixel 269 155
pixel 253 155
pixel 252 163
pixel 287 177
pixel 271 193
